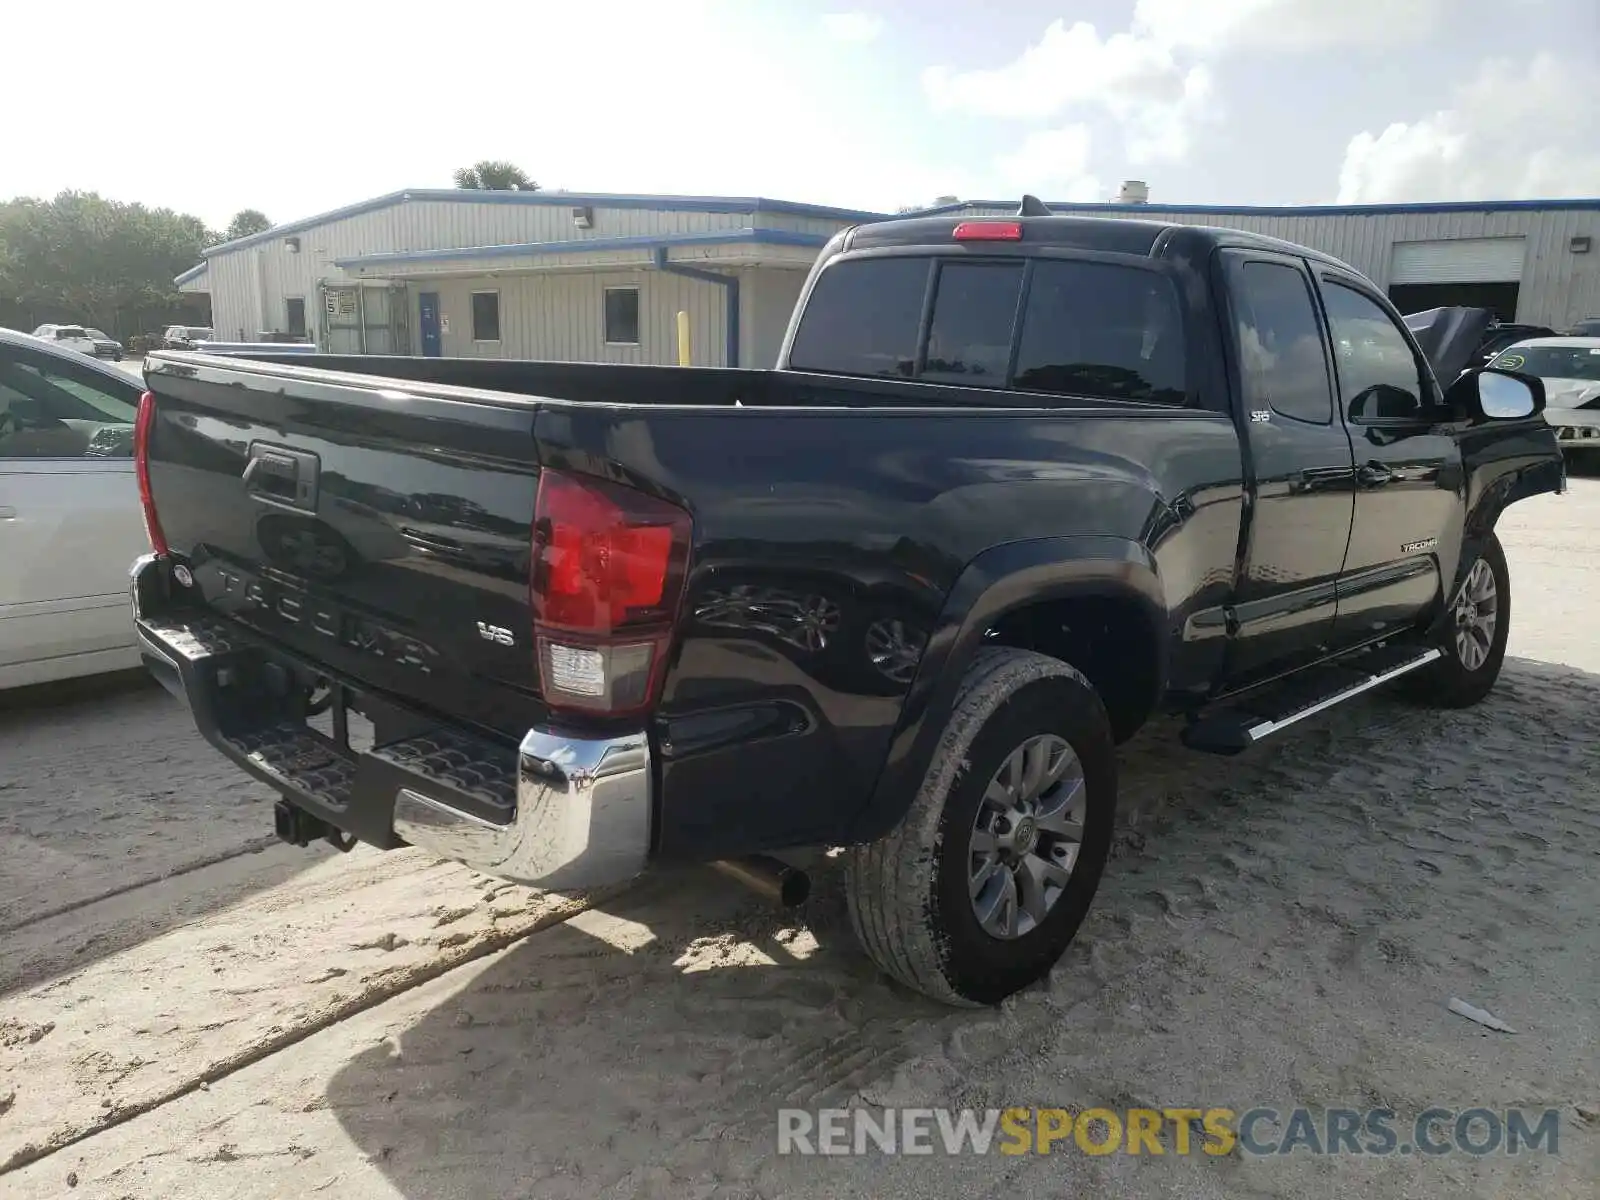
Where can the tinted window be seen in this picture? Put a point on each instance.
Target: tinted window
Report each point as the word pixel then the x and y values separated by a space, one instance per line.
pixel 1378 375
pixel 486 316
pixel 1098 330
pixel 1281 359
pixel 862 318
pixel 50 410
pixel 974 312
pixel 622 316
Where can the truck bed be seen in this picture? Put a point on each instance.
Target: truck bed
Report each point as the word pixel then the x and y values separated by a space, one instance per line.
pixel 831 519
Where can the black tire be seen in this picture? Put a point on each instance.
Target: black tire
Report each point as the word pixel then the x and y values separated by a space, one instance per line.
pixel 908 892
pixel 1452 682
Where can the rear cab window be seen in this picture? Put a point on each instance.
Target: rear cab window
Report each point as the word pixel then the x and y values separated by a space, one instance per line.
pixel 1056 326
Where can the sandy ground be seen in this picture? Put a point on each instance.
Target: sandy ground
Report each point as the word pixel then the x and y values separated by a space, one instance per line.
pixel 188 1011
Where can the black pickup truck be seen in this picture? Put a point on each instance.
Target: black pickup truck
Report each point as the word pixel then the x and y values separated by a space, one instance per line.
pixel 1016 485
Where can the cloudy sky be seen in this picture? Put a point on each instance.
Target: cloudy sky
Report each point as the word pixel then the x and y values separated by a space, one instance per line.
pixel 878 105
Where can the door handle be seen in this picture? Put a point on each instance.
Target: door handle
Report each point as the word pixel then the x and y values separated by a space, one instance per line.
pixel 1374 474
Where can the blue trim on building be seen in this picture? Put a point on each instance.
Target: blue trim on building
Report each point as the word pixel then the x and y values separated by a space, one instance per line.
pixel 713 237
pixel 698 204
pixel 190 274
pixel 730 287
pixel 1306 210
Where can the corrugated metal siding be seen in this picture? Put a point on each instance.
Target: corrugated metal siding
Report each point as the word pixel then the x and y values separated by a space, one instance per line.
pixel 560 317
pixel 250 285
pixel 767 299
pixel 1558 287
pixel 823 226
pixel 431 225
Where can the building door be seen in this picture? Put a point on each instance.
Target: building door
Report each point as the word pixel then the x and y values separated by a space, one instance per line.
pixel 1480 272
pixel 428 311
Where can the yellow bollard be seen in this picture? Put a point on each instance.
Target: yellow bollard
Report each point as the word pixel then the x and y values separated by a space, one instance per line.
pixel 683 339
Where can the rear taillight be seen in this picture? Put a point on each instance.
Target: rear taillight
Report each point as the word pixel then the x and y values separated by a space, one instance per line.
pixel 143 424
pixel 607 581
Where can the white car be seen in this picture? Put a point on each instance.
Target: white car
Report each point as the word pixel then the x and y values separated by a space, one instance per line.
pixel 1570 368
pixel 186 337
pixel 67 337
pixel 70 521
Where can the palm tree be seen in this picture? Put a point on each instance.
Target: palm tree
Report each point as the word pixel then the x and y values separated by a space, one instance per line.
pixel 492 175
pixel 247 221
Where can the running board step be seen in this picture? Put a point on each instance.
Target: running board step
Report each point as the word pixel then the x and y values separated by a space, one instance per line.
pixel 1240 723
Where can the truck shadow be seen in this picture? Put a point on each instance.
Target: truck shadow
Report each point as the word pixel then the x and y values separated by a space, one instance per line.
pixel 1292 905
pixel 117 823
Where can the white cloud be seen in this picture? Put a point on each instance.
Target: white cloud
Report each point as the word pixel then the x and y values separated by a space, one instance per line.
pixel 1154 97
pixel 1069 65
pixel 852 27
pixel 1515 131
pixel 1285 25
pixel 1053 163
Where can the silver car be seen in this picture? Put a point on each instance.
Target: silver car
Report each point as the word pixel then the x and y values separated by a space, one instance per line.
pixel 1570 368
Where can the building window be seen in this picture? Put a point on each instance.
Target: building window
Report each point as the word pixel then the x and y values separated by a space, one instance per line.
pixel 295 314
pixel 486 316
pixel 622 316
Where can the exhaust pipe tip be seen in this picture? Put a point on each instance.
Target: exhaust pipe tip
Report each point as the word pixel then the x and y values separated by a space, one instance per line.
pixel 784 885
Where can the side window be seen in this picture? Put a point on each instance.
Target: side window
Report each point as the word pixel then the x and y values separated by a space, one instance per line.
pixel 862 318
pixel 1102 331
pixel 1281 359
pixel 1379 379
pixel 57 411
pixel 974 311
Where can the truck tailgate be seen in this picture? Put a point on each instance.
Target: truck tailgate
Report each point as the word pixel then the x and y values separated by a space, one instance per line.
pixel 381 534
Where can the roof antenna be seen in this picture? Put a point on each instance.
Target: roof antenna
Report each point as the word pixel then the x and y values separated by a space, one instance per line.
pixel 1032 206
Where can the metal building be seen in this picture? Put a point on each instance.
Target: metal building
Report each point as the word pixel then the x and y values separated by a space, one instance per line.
pixel 526 275
pixel 603 278
pixel 1534 261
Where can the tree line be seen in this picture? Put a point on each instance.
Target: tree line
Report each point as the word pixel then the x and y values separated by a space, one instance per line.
pixel 83 259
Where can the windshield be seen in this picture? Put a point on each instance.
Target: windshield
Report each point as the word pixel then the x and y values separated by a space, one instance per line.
pixel 1553 362
pixel 97 333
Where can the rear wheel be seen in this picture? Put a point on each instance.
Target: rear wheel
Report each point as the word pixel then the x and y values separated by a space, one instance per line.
pixel 1474 638
pixel 986 879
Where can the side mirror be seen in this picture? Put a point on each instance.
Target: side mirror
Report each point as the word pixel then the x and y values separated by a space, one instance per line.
pixel 1491 394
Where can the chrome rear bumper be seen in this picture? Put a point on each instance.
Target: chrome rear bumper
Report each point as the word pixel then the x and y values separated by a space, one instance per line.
pixel 559 811
pixel 582 815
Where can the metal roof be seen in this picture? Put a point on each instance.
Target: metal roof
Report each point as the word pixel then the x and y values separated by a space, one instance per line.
pixel 703 204
pixel 1285 210
pixel 715 237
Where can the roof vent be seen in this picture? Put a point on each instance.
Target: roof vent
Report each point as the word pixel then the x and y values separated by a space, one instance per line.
pixel 1134 191
pixel 1032 206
